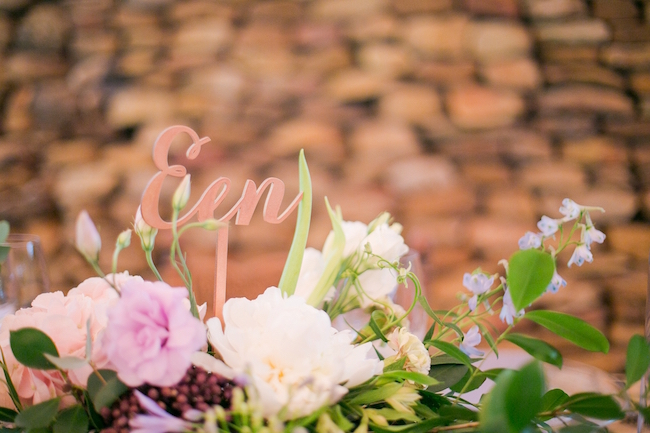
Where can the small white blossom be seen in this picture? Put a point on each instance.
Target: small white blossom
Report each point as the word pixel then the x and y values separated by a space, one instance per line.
pixel 556 283
pixel 570 209
pixel 478 284
pixel 592 234
pixel 409 346
pixel 87 240
pixel 581 254
pixel 529 241
pixel 508 312
pixel 471 339
pixel 548 226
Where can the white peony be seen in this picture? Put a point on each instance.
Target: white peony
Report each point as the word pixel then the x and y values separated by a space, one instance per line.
pixel 296 360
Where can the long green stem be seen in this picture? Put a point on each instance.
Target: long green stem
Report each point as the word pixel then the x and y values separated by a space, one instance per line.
pixel 152 266
pixel 185 274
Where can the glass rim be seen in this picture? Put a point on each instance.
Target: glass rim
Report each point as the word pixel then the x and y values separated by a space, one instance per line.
pixel 19 239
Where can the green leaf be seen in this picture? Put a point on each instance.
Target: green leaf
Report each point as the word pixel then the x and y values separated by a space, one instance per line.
pixel 453 351
pixel 457 412
pixel 582 428
pixel 492 373
pixel 573 329
pixel 376 394
pixel 529 274
pixel 553 399
pixel 7 415
pixel 514 401
pixel 422 427
pixel 377 320
pixel 72 420
pixel 103 395
pixel 594 406
pixel 397 365
pixel 420 378
pixel 488 337
pixel 447 371
pixel 477 380
pixel 38 416
pixel 4 230
pixel 29 346
pixel 95 419
pixel 537 348
pixel 333 260
pixel 4 252
pixel 291 271
pixel 66 362
pixel 10 384
pixel 637 360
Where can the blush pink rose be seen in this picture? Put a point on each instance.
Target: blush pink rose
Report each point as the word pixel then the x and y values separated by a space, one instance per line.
pixel 63 318
pixel 151 336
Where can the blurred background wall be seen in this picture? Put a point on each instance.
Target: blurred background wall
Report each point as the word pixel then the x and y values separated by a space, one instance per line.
pixel 467 119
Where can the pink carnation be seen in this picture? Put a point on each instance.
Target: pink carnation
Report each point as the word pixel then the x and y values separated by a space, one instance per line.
pixel 151 336
pixel 63 319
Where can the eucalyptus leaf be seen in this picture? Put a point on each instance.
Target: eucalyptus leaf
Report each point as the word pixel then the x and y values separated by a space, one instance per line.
pixel 38 416
pixel 637 360
pixel 29 345
pixel 537 348
pixel 71 420
pixel 571 328
pixel 104 394
pixel 289 278
pixel 529 274
pixel 66 362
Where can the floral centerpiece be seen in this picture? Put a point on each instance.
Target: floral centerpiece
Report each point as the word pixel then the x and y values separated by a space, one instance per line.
pixel 328 350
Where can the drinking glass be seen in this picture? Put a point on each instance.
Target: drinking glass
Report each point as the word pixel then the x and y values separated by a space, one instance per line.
pixel 405 294
pixel 23 274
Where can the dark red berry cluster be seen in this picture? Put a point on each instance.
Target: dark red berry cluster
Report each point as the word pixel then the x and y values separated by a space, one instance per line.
pixel 198 389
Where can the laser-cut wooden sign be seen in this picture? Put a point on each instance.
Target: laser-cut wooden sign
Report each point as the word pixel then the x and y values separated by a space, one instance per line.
pixel 210 200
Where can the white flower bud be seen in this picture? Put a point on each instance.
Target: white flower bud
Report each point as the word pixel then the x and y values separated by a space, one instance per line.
pixel 212 224
pixel 87 239
pixel 182 194
pixel 124 239
pixel 146 233
pixel 383 218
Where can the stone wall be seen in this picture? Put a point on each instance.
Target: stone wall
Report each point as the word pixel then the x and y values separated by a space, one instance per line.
pixel 467 119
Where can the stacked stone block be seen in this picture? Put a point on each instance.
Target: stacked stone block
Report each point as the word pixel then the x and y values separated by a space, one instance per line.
pixel 467 119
